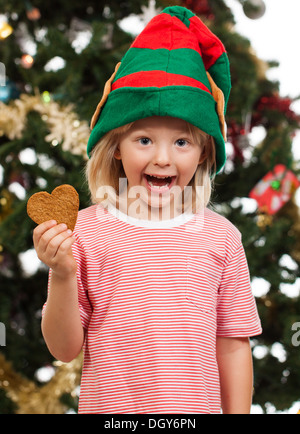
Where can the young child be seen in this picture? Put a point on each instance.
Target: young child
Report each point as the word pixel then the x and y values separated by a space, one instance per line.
pixel 153 285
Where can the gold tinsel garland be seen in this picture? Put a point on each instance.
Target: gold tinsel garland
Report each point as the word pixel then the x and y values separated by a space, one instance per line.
pixel 64 126
pixel 32 399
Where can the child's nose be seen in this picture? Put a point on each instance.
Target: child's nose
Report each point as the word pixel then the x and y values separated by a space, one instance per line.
pixel 162 156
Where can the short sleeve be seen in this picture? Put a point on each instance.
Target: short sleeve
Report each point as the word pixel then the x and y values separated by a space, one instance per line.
pixel 237 314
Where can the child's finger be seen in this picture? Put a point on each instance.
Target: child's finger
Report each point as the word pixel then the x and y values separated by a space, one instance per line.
pixel 42 228
pixel 49 235
pixel 65 246
pixel 54 243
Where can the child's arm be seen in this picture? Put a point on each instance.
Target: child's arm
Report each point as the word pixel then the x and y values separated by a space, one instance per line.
pixel 61 323
pixel 236 374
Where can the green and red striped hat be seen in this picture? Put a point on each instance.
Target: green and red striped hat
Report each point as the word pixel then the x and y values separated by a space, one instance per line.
pixel 176 67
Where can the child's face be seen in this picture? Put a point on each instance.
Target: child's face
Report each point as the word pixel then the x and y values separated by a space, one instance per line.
pixel 159 157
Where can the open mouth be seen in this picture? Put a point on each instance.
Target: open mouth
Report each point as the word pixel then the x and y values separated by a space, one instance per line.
pixel 160 183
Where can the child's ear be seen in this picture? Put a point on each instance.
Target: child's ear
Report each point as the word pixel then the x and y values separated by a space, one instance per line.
pixel 117 154
pixel 202 158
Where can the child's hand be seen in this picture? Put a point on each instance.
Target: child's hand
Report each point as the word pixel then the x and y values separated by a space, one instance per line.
pixel 53 244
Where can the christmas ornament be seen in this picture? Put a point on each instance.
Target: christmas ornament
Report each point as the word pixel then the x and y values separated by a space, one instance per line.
pixel 5 30
pixel 254 9
pixel 275 189
pixel 32 13
pixel 264 220
pixel 27 61
pixel 6 201
pixel 200 7
pixel 4 94
pixel 46 96
pixel 9 91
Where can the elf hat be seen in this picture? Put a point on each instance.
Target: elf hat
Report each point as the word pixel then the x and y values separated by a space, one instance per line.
pixel 176 67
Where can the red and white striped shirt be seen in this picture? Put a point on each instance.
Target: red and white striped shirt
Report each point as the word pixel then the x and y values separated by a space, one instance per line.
pixel 153 297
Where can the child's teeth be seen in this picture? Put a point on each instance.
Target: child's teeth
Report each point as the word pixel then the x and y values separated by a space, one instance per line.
pixel 158 183
pixel 158 187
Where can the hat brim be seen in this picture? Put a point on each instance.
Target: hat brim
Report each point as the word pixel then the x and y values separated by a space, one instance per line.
pixel 189 104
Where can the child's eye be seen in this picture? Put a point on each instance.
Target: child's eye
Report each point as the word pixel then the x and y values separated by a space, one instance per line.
pixel 182 143
pixel 144 141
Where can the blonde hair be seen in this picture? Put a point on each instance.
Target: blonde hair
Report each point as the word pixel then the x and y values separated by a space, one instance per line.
pixel 104 170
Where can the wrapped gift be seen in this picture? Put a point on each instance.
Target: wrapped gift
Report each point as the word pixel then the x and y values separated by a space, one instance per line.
pixel 275 189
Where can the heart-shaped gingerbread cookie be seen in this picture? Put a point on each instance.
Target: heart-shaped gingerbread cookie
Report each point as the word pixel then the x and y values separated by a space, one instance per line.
pixel 61 205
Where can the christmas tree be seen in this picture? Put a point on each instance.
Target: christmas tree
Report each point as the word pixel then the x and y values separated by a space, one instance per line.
pixel 57 57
